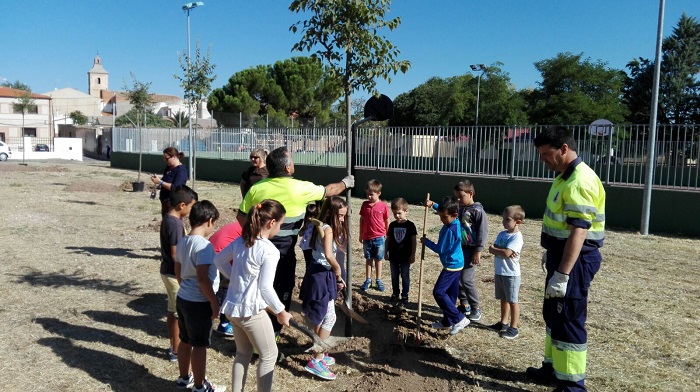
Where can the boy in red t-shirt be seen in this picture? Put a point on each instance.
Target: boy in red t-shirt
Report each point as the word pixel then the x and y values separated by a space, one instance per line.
pixel 374 224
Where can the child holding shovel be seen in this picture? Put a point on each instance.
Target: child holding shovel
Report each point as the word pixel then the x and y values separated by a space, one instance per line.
pixel 323 279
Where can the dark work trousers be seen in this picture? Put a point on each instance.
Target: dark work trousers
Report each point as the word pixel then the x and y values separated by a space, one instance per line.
pixel 445 294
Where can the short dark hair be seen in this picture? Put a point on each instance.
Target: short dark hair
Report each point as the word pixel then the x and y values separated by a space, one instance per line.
pixel 201 212
pixel 556 136
pixel 277 160
pixel 399 204
pixel 373 186
pixel 465 186
pixel 182 194
pixel 449 204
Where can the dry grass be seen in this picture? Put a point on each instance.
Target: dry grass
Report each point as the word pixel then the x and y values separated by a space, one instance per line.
pixel 83 304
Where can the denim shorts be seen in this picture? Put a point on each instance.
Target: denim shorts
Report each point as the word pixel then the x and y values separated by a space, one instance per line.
pixel 374 248
pixel 507 288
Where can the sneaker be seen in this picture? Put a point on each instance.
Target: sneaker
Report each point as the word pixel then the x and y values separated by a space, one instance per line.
pixel 318 368
pixel 365 286
pixel 438 325
pixel 466 310
pixel 459 326
pixel 499 327
pixel 544 375
pixel 185 383
pixel 475 315
pixel 404 301
pixel 510 333
pixel 393 298
pixel 209 387
pixel 225 329
pixel 328 360
pixel 380 285
pixel 172 356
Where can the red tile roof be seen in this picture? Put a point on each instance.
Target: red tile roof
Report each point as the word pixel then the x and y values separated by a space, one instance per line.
pixel 6 92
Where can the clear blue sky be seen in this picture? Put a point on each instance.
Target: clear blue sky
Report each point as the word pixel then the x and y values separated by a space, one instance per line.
pixel 50 44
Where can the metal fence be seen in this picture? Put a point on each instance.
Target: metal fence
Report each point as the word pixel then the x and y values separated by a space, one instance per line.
pixel 617 153
pixel 17 143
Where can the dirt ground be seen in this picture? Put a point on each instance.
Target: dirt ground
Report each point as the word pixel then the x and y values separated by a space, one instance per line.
pixel 83 306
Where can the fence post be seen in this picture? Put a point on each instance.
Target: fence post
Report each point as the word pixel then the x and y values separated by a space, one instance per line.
pixel 328 148
pixel 437 155
pixel 512 155
pixel 379 146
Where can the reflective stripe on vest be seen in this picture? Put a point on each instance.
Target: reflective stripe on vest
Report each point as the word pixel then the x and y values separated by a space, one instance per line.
pixel 580 196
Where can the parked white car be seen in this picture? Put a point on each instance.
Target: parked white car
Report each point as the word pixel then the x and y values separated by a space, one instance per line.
pixel 5 151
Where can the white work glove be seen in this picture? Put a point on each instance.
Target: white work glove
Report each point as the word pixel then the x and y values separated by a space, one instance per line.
pixel 556 287
pixel 349 181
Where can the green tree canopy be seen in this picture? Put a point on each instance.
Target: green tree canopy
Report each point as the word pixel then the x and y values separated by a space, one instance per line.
pixel 78 117
pixel 134 118
pixel 139 97
pixel 680 88
pixel 637 91
pixel 299 87
pixel 452 101
pixel 16 85
pixel 575 90
pixel 347 35
pixel 197 77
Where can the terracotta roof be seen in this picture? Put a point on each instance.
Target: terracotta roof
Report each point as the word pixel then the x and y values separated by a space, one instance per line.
pixel 7 92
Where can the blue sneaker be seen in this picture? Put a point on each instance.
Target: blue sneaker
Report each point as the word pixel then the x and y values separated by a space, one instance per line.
pixel 319 369
pixel 225 329
pixel 380 285
pixel 365 286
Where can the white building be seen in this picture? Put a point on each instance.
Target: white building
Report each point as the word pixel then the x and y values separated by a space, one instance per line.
pixel 35 123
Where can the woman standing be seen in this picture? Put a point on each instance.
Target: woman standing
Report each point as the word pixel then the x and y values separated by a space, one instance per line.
pixel 174 176
pixel 256 172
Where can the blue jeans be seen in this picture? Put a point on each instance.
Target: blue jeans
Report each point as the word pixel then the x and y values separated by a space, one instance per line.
pixel 401 270
pixel 373 249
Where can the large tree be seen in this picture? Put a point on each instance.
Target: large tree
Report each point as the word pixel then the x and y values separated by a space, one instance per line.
pixel 347 35
pixel 452 101
pixel 300 87
pixel 680 92
pixel 576 90
pixel 637 92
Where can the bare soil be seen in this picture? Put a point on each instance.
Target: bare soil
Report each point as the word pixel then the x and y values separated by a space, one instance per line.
pixel 83 306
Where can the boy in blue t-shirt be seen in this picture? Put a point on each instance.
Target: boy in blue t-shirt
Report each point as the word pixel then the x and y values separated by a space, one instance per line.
pixel 449 247
pixel 197 305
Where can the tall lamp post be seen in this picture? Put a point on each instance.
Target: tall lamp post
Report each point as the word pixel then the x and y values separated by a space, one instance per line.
pixel 475 68
pixel 187 7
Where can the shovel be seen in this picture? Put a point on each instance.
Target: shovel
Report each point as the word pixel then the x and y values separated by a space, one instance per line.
pixel 340 304
pixel 349 312
pixel 420 273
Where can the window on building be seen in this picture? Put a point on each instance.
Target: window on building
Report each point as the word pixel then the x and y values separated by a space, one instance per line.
pixel 2 136
pixel 31 110
pixel 30 132
pixel 99 80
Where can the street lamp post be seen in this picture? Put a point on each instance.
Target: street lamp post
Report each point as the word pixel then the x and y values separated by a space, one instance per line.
pixel 187 7
pixel 482 68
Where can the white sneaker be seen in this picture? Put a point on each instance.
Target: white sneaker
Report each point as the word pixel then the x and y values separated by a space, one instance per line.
pixel 459 326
